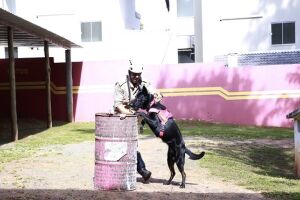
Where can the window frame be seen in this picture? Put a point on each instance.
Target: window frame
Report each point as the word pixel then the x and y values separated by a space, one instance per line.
pixel 90 35
pixel 282 33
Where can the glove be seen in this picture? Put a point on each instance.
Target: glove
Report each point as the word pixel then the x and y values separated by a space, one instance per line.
pixel 122 116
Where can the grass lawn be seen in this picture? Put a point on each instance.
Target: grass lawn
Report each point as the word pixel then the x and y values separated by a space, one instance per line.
pixel 265 168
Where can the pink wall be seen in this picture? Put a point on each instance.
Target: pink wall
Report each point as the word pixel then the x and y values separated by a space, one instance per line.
pixel 254 95
pixel 276 88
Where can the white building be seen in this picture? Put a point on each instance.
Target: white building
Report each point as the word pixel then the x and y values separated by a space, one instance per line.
pixel 247 26
pixel 106 29
pixel 145 31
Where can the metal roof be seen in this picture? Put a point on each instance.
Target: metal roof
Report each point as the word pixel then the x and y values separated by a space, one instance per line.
pixel 263 58
pixel 29 34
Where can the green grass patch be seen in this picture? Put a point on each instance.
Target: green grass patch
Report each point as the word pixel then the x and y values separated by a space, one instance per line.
pixel 269 170
pixel 60 134
pixel 194 128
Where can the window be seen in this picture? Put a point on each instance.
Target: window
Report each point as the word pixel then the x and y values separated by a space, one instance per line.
pixel 186 55
pixel 185 8
pixel 283 33
pixel 91 31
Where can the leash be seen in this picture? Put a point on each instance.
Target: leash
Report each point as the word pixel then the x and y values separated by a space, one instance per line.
pixel 167 47
pixel 129 92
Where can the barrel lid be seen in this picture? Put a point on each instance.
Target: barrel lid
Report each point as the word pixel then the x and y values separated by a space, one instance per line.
pixel 105 162
pixel 113 115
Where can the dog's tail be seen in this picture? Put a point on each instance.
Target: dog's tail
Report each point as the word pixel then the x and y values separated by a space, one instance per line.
pixel 194 156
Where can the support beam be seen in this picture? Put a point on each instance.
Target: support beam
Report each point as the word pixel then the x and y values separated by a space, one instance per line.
pixel 12 82
pixel 198 17
pixel 69 86
pixel 48 86
pixel 297 147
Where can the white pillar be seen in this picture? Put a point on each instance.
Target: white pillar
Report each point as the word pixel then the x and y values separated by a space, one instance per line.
pixel 297 146
pixel 198 31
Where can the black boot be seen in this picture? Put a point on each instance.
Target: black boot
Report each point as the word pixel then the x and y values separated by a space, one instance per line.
pixel 141 167
pixel 145 174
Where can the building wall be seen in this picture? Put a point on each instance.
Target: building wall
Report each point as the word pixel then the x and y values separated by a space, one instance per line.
pixel 121 36
pixel 204 92
pixel 9 5
pixel 162 32
pixel 222 37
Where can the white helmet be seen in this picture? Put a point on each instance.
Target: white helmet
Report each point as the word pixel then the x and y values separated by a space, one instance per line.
pixel 135 68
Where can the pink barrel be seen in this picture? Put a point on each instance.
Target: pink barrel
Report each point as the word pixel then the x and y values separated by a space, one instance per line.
pixel 115 152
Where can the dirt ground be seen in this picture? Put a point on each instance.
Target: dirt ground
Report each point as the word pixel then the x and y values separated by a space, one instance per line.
pixel 66 172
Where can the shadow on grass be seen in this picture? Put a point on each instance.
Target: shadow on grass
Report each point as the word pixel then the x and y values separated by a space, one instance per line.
pixel 283 195
pixel 85 131
pixel 26 127
pixel 74 194
pixel 226 131
pixel 276 162
pixel 271 161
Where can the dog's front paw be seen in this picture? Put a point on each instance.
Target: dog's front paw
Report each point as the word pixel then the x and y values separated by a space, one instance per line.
pixel 182 185
pixel 141 114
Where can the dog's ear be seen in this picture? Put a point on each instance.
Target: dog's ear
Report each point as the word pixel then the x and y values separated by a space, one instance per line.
pixel 144 90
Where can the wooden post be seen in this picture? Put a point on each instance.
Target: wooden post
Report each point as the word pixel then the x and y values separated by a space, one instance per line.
pixel 69 86
pixel 12 81
pixel 48 86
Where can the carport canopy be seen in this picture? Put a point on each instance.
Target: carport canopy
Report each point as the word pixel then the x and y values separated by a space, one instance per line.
pixel 16 31
pixel 29 34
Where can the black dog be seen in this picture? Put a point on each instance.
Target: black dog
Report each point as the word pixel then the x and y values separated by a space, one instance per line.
pixel 162 125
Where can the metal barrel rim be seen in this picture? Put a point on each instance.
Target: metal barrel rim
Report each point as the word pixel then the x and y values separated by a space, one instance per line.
pixel 113 115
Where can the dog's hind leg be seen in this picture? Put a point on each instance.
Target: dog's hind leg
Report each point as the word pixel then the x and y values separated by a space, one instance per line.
pixel 180 164
pixel 171 162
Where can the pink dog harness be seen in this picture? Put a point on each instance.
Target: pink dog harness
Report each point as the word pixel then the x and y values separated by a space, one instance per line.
pixel 163 115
